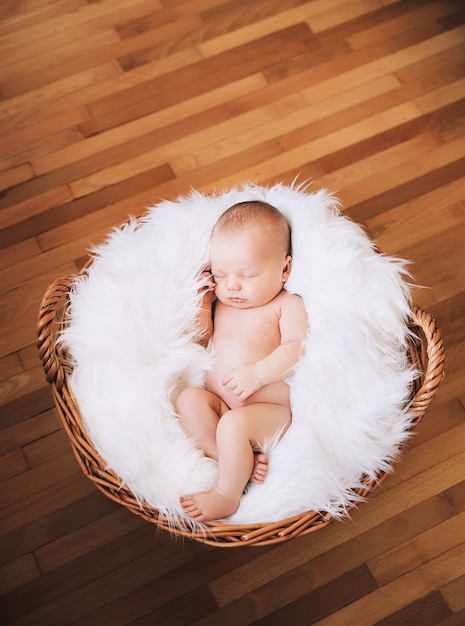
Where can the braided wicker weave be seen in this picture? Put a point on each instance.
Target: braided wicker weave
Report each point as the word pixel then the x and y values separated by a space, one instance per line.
pixel 426 353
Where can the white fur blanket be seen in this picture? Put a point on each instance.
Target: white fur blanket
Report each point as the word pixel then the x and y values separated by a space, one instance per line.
pixel 131 336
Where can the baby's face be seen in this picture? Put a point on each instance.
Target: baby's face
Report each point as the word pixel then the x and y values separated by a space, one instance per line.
pixel 246 268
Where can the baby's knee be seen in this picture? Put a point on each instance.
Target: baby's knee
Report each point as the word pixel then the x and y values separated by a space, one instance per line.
pixel 189 397
pixel 233 423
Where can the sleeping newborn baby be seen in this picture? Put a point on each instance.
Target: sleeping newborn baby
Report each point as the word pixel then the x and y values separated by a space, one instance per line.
pixel 256 331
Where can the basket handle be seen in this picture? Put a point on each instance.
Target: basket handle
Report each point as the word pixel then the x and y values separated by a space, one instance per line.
pixel 47 324
pixel 435 366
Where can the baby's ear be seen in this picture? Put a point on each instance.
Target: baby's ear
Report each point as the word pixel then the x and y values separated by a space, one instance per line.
pixel 287 268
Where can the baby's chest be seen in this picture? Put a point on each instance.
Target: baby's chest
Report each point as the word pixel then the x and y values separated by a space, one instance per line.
pixel 248 326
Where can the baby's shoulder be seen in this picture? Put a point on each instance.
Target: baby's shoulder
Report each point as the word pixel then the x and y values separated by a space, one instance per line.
pixel 289 301
pixel 290 298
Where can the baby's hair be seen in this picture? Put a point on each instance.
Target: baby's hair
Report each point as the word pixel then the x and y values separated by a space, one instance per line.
pixel 257 213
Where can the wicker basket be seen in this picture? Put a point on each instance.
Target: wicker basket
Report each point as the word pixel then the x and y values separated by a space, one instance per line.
pixel 426 353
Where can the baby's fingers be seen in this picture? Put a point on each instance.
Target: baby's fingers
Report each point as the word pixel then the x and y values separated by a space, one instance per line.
pixel 206 282
pixel 229 383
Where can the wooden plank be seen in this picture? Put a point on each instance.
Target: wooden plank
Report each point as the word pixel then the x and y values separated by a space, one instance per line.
pixel 448 312
pixel 94 15
pixel 335 141
pixel 326 144
pixel 386 139
pixel 81 571
pixel 57 90
pixel 451 387
pixel 355 195
pixel 190 110
pixel 417 551
pixel 107 46
pixel 346 11
pixel 10 365
pixel 37 479
pixel 26 382
pixel 107 195
pixel 15 176
pixel 49 260
pixel 12 463
pixel 50 513
pixel 43 60
pixel 29 356
pixel 140 603
pixel 415 460
pixel 175 36
pixel 26 406
pixel 319 603
pixel 169 151
pixel 16 17
pixel 17 573
pixel 411 222
pixel 94 226
pixel 241 137
pixel 436 421
pixel 407 22
pixel 239 29
pixel 446 172
pixel 196 79
pixel 45 69
pixel 42 450
pixel 429 610
pixel 36 205
pixel 28 430
pixel 17 252
pixel 309 579
pixel 437 276
pixel 111 585
pixel 20 311
pixel 454 594
pixel 404 590
pixel 457 496
pixel 190 606
pixel 117 213
pixel 381 507
pixel 372 61
pixel 78 542
pixel 30 149
pixel 357 182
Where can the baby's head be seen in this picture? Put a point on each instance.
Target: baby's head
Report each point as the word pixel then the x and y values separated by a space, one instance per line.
pixel 250 254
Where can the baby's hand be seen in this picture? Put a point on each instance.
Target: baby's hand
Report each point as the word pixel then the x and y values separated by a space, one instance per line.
pixel 207 286
pixel 206 280
pixel 243 381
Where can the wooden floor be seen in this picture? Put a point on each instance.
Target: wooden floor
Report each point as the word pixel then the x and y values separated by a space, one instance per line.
pixel 108 106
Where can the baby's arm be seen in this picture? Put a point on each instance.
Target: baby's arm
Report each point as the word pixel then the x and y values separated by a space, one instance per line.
pixel 279 364
pixel 204 316
pixel 293 326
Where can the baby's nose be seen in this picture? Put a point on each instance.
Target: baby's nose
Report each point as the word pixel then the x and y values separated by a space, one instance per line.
pixel 233 285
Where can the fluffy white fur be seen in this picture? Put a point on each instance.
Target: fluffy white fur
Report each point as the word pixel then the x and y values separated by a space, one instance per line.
pixel 132 337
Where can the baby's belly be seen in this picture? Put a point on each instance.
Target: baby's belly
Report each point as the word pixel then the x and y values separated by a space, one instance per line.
pixel 275 393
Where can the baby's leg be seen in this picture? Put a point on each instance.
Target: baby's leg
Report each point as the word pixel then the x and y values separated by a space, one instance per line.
pixel 239 432
pixel 199 411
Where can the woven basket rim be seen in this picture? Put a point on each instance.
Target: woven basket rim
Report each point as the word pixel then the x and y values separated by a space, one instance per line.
pixel 426 352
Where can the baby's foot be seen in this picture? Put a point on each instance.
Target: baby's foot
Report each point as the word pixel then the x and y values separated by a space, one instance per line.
pixel 209 505
pixel 260 467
